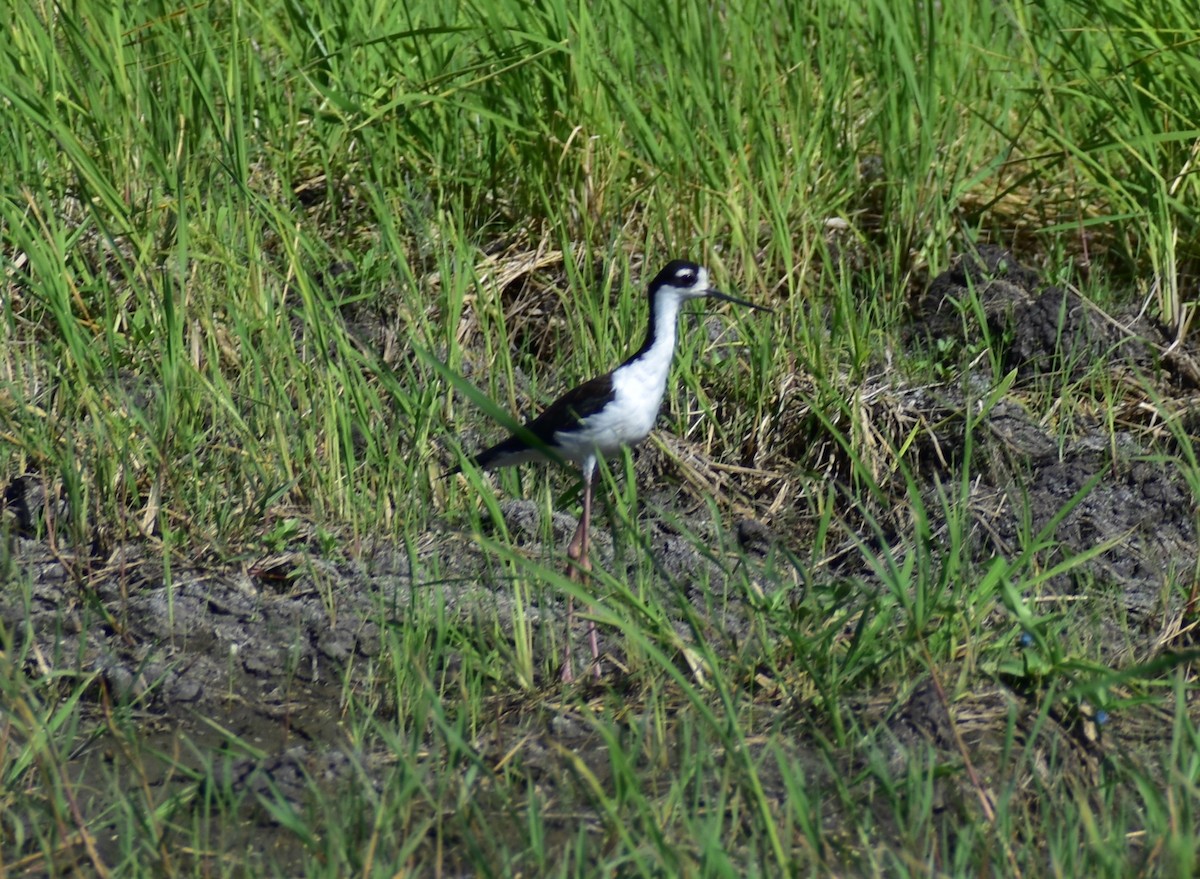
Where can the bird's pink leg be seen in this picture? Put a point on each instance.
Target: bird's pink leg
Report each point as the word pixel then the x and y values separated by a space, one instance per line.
pixel 574 553
pixel 581 563
pixel 586 563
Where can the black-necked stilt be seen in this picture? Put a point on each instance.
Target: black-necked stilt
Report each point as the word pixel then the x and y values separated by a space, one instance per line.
pixel 602 415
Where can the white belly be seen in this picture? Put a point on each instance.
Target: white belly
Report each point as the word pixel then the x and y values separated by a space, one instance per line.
pixel 638 388
pixel 625 422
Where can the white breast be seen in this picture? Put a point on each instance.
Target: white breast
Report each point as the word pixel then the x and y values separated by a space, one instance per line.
pixel 626 421
pixel 638 389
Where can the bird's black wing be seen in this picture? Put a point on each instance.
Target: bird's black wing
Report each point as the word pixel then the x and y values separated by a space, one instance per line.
pixel 572 407
pixel 563 414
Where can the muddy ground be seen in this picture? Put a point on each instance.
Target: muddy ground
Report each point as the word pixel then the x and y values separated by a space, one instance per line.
pixel 254 648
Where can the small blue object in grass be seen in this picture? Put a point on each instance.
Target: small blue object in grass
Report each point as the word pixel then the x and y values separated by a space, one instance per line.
pixel 1026 639
pixel 1101 717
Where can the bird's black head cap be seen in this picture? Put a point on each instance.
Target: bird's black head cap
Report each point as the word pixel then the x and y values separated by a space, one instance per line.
pixel 677 273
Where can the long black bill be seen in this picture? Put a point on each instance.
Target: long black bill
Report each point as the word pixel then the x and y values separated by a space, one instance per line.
pixel 717 294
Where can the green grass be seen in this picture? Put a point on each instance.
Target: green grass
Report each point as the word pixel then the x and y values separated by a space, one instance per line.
pixel 255 257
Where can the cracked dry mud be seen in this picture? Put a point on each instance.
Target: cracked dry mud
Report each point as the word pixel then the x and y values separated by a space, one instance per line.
pixel 264 652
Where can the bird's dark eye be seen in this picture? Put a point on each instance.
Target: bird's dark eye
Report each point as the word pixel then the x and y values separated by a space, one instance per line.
pixel 685 277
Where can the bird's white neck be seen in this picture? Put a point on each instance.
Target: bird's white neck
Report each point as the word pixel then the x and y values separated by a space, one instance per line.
pixel 652 361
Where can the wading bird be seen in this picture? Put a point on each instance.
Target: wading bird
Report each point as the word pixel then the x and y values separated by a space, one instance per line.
pixel 599 417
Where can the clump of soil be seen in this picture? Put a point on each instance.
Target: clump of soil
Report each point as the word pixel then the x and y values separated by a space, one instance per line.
pixel 1121 473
